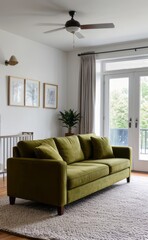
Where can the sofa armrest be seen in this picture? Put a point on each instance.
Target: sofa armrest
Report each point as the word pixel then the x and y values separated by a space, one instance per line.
pixel 122 152
pixel 41 180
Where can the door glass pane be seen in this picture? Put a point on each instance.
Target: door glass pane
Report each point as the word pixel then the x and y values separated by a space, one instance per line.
pixel 118 111
pixel 143 118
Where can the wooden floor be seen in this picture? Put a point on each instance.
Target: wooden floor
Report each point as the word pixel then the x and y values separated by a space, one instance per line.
pixel 3 192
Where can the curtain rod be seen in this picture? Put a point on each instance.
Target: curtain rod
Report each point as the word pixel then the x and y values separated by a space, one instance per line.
pixel 112 51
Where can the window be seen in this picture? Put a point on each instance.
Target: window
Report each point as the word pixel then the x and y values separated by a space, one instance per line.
pixel 126 64
pixel 116 66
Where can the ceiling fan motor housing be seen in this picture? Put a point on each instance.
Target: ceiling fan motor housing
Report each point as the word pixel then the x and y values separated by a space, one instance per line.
pixel 72 26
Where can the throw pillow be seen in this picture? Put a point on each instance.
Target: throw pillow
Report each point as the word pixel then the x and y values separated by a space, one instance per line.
pixel 26 148
pixel 101 148
pixel 45 151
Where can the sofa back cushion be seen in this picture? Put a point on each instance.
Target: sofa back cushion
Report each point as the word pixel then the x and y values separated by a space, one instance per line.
pixel 26 148
pixel 69 149
pixel 101 148
pixel 45 151
pixel 86 144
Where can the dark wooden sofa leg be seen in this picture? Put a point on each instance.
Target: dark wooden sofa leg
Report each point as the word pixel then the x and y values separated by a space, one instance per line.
pixel 128 180
pixel 12 200
pixel 60 210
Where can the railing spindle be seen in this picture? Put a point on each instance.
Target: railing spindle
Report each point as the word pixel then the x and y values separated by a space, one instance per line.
pixel 6 145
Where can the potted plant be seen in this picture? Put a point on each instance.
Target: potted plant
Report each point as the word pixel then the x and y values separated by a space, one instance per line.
pixel 69 119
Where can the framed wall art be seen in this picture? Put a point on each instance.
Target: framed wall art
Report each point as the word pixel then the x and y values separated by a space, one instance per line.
pixel 32 93
pixel 16 91
pixel 50 96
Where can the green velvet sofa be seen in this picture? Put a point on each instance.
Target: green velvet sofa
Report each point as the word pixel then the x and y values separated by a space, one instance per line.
pixel 58 171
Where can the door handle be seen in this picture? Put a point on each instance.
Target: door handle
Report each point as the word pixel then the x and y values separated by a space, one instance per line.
pixel 130 123
pixel 136 123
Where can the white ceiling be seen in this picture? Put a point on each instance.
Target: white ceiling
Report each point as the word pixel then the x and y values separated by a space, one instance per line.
pixel 23 17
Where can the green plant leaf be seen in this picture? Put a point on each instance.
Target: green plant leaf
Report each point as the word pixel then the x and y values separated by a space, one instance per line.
pixel 69 118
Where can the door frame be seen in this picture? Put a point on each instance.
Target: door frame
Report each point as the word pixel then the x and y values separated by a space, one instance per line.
pixel 139 165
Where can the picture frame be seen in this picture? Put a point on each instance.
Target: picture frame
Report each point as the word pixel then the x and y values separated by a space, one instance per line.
pixel 32 93
pixel 50 96
pixel 16 86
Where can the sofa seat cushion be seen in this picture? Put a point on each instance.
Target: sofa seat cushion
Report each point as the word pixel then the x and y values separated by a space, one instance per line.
pixel 69 149
pixel 26 148
pixel 114 164
pixel 81 173
pixel 86 144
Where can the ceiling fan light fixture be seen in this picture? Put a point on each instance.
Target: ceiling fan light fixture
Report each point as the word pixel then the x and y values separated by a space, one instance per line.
pixel 73 29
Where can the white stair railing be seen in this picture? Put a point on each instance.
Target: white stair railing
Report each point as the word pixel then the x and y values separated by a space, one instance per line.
pixel 6 147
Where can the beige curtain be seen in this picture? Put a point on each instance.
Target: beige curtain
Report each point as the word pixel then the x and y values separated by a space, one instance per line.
pixel 87 93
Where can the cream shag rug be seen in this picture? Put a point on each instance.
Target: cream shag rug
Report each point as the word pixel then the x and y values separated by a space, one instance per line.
pixel 119 212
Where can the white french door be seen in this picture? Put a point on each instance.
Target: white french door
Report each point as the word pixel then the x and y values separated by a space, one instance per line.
pixel 126 114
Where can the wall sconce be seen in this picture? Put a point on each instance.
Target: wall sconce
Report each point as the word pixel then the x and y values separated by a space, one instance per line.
pixel 12 61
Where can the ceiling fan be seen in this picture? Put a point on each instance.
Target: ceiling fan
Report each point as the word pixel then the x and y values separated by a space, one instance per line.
pixel 74 26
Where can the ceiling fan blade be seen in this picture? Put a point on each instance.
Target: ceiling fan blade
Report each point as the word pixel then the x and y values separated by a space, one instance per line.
pixel 79 35
pixel 97 26
pixel 55 30
pixel 50 24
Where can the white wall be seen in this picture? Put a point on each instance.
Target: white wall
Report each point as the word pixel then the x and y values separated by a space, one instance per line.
pixel 73 80
pixel 38 62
